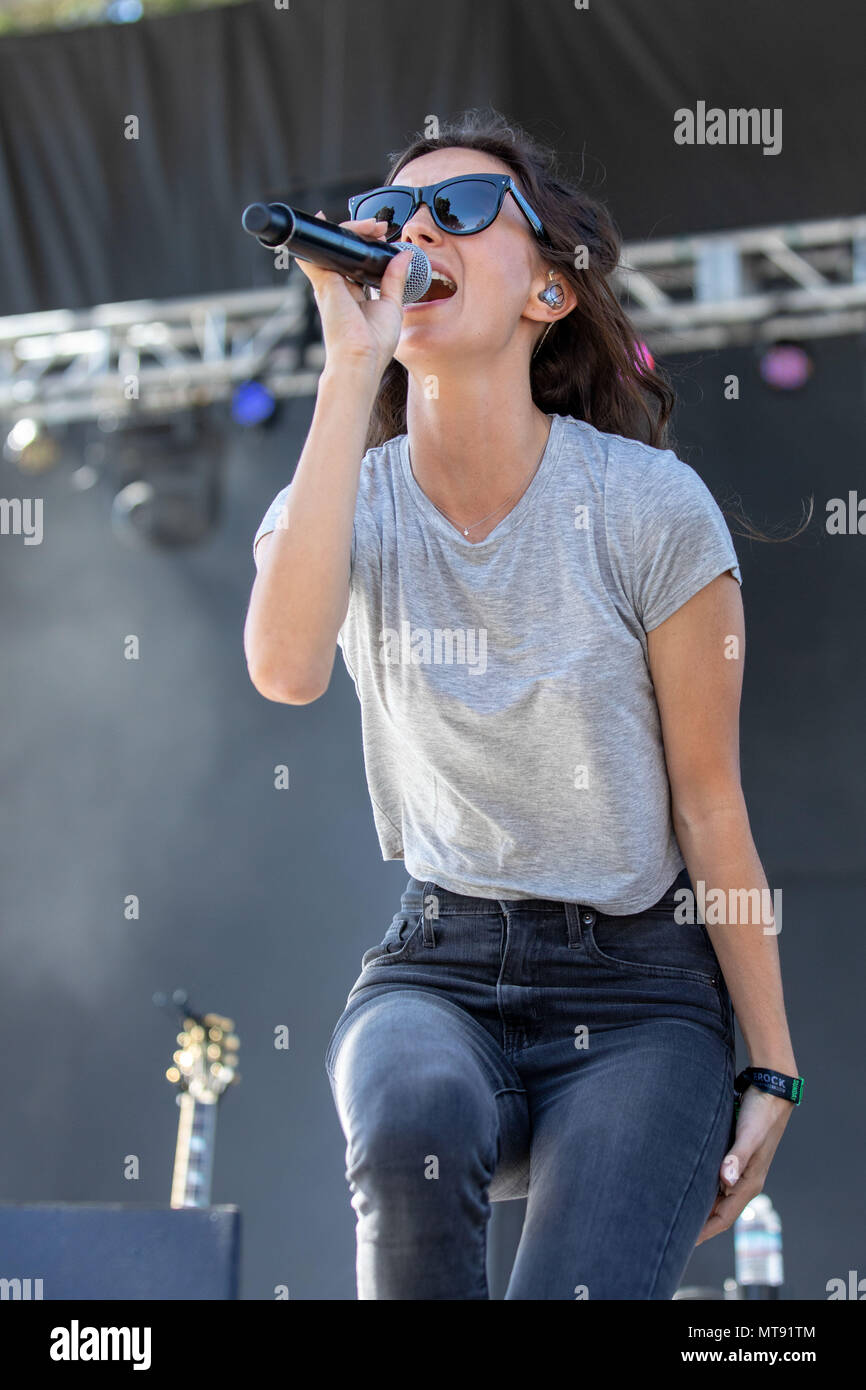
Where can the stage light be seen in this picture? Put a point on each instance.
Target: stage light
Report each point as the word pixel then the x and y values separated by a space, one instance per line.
pixel 124 11
pixel 169 474
pixel 641 358
pixel 22 433
pixel 30 447
pixel 644 357
pixel 252 404
pixel 785 366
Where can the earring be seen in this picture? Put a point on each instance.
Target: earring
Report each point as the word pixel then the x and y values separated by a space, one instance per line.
pixel 553 295
pixel 541 340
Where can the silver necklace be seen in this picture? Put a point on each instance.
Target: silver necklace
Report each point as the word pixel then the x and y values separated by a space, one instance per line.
pixel 467 529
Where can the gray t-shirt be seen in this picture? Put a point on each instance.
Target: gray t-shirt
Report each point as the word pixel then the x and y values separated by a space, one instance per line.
pixel 511 734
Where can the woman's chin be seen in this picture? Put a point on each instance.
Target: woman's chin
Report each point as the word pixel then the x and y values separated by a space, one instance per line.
pixel 429 321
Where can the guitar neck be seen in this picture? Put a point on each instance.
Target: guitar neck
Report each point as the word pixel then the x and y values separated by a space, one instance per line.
pixel 193 1159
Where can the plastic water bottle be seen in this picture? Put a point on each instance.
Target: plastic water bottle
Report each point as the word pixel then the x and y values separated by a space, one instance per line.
pixel 758 1249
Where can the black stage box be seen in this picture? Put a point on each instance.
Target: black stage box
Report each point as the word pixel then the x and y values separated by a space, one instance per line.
pixel 71 1250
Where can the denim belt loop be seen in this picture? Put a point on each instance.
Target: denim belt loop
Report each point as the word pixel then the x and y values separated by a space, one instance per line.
pixel 577 916
pixel 427 922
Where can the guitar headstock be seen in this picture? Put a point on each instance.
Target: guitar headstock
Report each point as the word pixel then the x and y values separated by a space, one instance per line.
pixel 206 1060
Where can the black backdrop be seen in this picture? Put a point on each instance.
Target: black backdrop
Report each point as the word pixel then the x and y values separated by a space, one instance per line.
pixel 251 102
pixel 157 778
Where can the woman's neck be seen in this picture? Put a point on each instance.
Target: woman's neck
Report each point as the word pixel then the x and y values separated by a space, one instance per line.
pixel 473 443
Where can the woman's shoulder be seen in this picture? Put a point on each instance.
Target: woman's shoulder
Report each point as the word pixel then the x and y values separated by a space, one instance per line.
pixel 625 449
pixel 381 459
pixel 629 463
pixel 379 485
pixel 378 468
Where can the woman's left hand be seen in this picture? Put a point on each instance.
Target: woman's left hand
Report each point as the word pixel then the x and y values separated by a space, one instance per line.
pixel 760 1124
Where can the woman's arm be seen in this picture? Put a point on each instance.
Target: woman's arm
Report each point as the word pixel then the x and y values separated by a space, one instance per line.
pixel 696 663
pixel 301 591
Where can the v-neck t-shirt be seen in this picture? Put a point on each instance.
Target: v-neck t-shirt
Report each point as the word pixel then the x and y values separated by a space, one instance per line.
pixel 512 740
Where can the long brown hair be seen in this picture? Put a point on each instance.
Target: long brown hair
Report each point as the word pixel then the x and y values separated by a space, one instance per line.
pixel 589 365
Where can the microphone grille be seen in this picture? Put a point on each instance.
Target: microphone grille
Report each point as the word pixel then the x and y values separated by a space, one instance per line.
pixel 420 272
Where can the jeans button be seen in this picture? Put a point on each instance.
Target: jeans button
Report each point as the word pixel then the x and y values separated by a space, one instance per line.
pixel 588 918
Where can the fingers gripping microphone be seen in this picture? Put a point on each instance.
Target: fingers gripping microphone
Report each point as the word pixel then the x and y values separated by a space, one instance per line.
pixel 332 247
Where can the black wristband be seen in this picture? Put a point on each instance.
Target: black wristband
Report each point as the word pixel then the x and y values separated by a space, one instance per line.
pixel 773 1082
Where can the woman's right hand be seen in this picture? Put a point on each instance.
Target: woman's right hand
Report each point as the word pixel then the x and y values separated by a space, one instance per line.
pixel 357 330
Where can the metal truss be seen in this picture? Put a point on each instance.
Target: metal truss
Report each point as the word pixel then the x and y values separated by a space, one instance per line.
pixel 685 294
pixel 157 356
pixel 756 286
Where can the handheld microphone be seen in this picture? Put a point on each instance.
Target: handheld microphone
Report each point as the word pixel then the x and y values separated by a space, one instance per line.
pixel 332 247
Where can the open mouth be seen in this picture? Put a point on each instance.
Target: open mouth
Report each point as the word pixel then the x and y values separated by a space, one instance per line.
pixel 441 287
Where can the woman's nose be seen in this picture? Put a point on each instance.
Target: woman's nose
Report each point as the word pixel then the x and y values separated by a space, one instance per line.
pixel 421 224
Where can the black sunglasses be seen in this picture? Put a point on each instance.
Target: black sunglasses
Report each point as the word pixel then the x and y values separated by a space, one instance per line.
pixel 462 205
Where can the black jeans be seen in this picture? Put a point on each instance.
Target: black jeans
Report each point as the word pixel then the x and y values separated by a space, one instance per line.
pixel 492 1050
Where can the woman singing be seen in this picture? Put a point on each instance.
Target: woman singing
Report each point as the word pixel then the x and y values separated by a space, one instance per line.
pixel 539 605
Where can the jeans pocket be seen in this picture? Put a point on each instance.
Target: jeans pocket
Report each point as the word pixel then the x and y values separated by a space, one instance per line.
pixel 653 944
pixel 399 939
